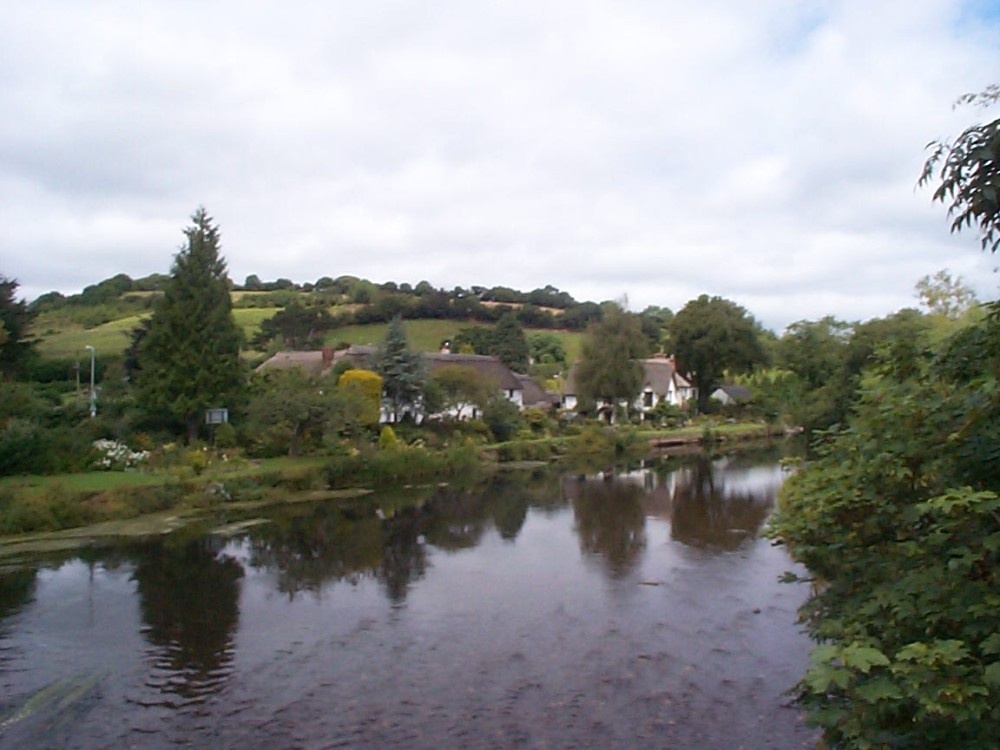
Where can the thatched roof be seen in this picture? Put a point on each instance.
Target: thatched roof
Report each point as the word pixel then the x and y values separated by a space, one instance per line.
pixel 361 356
pixel 312 362
pixel 487 367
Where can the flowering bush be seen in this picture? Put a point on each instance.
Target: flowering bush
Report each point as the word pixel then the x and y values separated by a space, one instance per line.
pixel 116 456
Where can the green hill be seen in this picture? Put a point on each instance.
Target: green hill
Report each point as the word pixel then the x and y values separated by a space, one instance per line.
pixel 59 337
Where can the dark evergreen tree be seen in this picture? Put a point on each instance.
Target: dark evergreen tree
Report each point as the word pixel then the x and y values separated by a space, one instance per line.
pixel 15 317
pixel 473 340
pixel 189 358
pixel 402 371
pixel 509 343
pixel 609 364
pixel 711 335
pixel 299 326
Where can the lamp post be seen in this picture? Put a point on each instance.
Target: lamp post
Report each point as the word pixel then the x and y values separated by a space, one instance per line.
pixel 93 393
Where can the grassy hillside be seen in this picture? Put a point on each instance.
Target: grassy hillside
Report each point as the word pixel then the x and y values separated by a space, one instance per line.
pixel 60 339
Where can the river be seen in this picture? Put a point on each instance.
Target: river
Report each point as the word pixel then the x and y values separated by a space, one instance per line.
pixel 625 609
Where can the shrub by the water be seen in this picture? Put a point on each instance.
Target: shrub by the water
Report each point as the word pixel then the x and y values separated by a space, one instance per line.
pixel 404 464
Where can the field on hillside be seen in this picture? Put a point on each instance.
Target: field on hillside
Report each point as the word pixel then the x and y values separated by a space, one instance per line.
pixel 67 341
pixel 112 338
pixel 427 335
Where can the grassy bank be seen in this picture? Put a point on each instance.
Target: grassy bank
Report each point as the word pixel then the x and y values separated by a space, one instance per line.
pixel 36 504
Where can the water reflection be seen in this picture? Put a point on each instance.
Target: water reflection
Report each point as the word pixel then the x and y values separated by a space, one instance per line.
pixel 386 538
pixel 306 547
pixel 709 503
pixel 188 600
pixel 609 519
pixel 17 588
pixel 711 512
pixel 293 632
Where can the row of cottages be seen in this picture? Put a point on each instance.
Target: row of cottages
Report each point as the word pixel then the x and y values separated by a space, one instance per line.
pixel 517 388
pixel 661 382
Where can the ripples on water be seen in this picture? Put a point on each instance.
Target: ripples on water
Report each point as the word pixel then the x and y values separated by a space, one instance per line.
pixel 637 609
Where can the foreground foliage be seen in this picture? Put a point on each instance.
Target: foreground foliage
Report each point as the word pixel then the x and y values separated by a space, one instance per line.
pixel 899 520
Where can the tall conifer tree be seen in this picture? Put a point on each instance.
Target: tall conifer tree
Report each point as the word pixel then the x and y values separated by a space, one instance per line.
pixel 15 318
pixel 402 371
pixel 189 359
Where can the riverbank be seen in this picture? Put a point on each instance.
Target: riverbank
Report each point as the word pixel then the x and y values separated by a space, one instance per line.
pixel 34 505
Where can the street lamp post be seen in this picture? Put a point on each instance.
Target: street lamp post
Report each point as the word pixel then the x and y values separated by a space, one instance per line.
pixel 93 393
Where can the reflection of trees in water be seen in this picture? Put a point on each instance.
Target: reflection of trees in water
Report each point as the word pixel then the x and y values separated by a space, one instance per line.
pixel 404 557
pixel 308 547
pixel 609 520
pixel 17 588
pixel 704 514
pixel 188 599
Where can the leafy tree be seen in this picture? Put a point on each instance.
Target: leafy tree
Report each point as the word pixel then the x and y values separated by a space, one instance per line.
pixel 814 350
pixel 473 340
pixel 609 366
pixel 578 317
pixel 288 408
pixel 546 349
pixel 550 296
pixel 402 371
pixel 506 341
pixel 189 359
pixel 299 326
pixel 532 316
pixel 458 387
pixel 502 417
pixel 899 517
pixel 367 386
pixel 656 324
pixel 16 344
pixel 712 335
pixel 969 173
pixel 107 290
pixel 509 343
pixel 943 295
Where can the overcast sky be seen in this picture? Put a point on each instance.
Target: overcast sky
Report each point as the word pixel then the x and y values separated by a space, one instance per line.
pixel 763 151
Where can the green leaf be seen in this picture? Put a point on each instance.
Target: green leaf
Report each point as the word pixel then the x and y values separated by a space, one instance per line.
pixel 824 654
pixel 863 658
pixel 879 689
pixel 991 644
pixel 991 676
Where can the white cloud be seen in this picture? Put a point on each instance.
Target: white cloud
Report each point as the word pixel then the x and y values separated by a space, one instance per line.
pixel 765 152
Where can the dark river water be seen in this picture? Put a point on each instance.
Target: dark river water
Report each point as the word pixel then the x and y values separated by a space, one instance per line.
pixel 639 609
